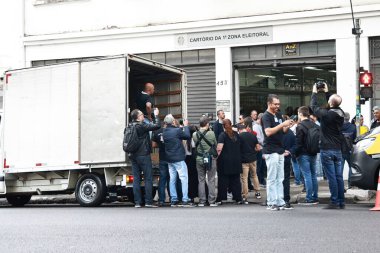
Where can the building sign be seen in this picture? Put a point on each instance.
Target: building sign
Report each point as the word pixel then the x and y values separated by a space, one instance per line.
pixel 225 37
pixel 223 105
pixel 291 49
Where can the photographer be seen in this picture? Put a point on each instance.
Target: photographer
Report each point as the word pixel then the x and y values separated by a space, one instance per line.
pixel 332 119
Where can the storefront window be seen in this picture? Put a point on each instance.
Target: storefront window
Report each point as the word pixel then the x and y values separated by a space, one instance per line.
pixel 292 84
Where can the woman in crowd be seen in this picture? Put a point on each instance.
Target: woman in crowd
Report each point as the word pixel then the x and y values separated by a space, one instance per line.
pixel 229 163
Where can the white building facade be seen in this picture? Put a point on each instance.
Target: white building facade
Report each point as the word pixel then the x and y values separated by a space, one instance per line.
pixel 235 52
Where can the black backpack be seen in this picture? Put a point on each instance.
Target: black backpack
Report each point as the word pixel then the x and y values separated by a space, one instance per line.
pixel 131 141
pixel 312 139
pixel 347 144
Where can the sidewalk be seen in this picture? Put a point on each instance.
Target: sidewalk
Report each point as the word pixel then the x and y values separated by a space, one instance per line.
pixel 352 196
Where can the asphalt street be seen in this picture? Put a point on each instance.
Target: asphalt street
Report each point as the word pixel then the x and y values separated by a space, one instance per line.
pixel 228 228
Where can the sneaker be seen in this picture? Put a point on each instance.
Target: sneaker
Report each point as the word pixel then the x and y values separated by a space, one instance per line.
pixel 315 201
pixel 151 206
pixel 263 186
pixel 214 204
pixel 288 206
pixel 245 201
pixel 218 203
pixel 201 205
pixel 281 207
pixel 274 208
pixel 137 206
pixel 161 204
pixel 295 185
pixel 239 202
pixel 342 206
pixel 331 206
pixel 306 203
pixel 174 204
pixel 187 204
pixel 229 196
pixel 258 195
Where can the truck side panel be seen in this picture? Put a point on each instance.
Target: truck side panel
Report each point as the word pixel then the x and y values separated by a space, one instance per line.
pixel 103 110
pixel 41 117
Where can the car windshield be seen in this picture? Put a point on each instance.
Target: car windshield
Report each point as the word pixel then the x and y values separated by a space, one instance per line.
pixel 374 131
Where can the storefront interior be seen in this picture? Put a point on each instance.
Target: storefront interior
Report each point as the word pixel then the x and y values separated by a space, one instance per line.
pixel 293 84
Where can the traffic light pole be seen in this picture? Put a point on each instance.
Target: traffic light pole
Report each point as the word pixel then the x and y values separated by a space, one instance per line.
pixel 356 31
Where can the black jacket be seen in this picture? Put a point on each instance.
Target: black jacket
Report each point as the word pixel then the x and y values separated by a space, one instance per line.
pixel 217 128
pixel 331 124
pixel 174 149
pixel 143 130
pixel 301 134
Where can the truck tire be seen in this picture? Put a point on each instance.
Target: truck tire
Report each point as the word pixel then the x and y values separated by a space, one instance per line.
pixel 90 190
pixel 18 200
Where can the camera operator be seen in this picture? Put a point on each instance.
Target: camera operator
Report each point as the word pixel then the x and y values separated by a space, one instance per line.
pixel 332 119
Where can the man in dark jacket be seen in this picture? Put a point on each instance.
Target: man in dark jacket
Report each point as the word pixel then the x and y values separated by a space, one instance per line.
pixel 332 119
pixel 217 127
pixel 289 142
pixel 141 160
pixel 349 133
pixel 305 159
pixel 175 156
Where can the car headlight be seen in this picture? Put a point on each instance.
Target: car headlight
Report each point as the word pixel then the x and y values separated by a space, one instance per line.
pixel 364 144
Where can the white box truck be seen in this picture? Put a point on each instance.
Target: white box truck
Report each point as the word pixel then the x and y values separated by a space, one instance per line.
pixel 62 126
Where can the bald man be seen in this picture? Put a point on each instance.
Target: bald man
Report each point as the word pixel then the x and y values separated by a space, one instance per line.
pixel 145 101
pixel 331 138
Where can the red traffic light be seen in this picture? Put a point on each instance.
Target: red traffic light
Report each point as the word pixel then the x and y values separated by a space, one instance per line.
pixel 366 78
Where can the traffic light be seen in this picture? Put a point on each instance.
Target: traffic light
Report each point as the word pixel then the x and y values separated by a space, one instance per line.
pixel 366 78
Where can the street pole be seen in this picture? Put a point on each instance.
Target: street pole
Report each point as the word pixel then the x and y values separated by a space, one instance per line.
pixel 356 31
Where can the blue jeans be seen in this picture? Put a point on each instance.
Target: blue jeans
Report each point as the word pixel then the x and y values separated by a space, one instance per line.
pixel 297 172
pixel 332 161
pixel 144 164
pixel 307 165
pixel 318 166
pixel 275 177
pixel 261 168
pixel 181 168
pixel 164 178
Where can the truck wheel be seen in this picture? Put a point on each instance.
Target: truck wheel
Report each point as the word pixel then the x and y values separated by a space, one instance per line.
pixel 90 190
pixel 18 200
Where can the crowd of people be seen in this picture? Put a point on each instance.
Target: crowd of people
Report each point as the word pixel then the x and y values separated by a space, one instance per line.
pixel 259 151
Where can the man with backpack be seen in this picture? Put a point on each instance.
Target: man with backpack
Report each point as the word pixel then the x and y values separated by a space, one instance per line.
pixel 205 140
pixel 138 146
pixel 307 148
pixel 331 119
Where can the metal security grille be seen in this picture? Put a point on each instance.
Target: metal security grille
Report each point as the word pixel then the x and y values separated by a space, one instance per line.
pixel 201 91
pixel 375 68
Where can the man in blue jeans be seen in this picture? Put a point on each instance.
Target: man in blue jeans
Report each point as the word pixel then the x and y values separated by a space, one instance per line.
pixel 306 160
pixel 274 128
pixel 175 156
pixel 331 119
pixel 141 160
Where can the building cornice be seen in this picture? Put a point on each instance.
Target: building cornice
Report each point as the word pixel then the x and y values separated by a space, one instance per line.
pixel 204 26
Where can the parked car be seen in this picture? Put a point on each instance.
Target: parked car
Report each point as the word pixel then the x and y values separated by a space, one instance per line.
pixel 366 160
